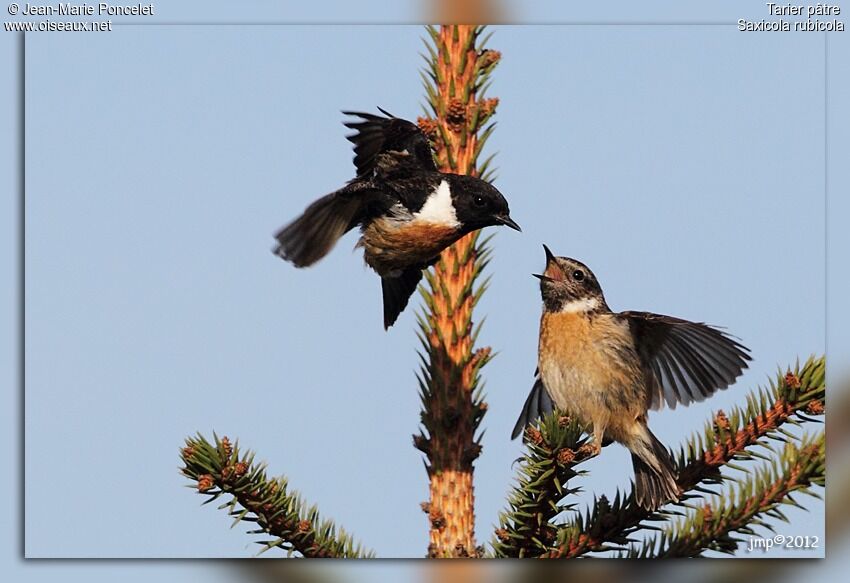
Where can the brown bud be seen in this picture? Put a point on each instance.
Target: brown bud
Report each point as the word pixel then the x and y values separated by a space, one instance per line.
pixel 534 436
pixel 589 449
pixel 489 57
pixel 721 421
pixel 563 420
pixel 429 127
pixel 205 483
pixel 239 469
pixel 188 452
pixel 502 535
pixel 707 513
pixel 226 447
pixel 479 355
pixel 488 107
pixel 456 114
pixel 792 381
pixel 565 456
pixel 226 471
pixel 815 407
pixel 438 521
pixel 304 526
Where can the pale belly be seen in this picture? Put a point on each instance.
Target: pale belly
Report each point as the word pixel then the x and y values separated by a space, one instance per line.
pixel 591 371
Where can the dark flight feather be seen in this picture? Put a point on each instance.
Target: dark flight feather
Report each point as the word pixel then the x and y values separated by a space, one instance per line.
pixel 538 404
pixel 689 361
pixel 378 138
pixel 312 235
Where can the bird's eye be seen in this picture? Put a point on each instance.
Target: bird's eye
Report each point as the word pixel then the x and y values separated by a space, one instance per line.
pixel 578 275
pixel 478 200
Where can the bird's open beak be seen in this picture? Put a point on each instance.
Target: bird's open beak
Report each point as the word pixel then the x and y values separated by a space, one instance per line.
pixel 553 271
pixel 507 221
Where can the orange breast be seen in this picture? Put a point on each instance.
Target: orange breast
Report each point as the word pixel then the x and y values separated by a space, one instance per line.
pixel 390 245
pixel 569 340
pixel 589 366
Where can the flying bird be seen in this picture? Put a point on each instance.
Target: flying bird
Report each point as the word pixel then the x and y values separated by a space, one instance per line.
pixel 608 369
pixel 407 210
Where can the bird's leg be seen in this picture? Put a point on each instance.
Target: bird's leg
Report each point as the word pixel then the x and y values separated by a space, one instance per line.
pixel 594 448
pixel 598 436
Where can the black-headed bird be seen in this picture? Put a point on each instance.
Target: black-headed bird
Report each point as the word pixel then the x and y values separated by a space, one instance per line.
pixel 407 210
pixel 608 369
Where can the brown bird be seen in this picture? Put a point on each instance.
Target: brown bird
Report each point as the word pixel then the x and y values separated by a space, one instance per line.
pixel 608 369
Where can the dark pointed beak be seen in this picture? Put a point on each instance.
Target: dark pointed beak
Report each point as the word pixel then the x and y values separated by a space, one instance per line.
pixel 550 268
pixel 507 221
pixel 549 255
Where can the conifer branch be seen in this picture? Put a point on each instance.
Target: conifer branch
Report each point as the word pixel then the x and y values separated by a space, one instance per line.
pixel 793 398
pixel 554 448
pixel 801 466
pixel 220 468
pixel 456 123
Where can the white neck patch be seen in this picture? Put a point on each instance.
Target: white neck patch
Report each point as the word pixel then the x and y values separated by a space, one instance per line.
pixel 438 208
pixel 580 306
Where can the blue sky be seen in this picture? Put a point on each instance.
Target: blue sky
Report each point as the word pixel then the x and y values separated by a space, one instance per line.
pixel 684 165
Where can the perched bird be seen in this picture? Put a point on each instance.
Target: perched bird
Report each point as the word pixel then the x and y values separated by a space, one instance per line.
pixel 407 210
pixel 607 369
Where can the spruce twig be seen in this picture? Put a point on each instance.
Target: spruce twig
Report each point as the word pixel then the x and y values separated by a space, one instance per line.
pixel 712 526
pixel 219 468
pixel 449 379
pixel 554 448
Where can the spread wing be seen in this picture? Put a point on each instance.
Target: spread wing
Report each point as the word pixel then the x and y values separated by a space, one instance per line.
pixel 387 141
pixel 688 361
pixel 538 404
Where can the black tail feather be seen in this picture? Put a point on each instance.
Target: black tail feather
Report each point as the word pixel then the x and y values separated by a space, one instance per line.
pixel 655 478
pixel 538 404
pixel 397 292
pixel 312 235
